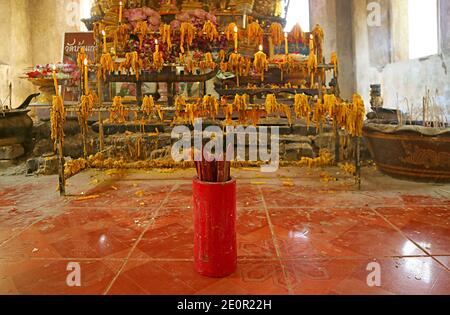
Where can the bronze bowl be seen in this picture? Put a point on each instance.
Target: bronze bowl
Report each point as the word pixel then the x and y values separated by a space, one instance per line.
pixel 410 152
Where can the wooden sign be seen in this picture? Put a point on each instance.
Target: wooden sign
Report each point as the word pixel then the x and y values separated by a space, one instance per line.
pixel 73 42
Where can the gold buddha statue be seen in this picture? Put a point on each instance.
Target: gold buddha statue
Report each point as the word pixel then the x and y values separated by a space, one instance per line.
pixel 104 7
pixel 169 7
pixel 279 8
pixel 189 5
pixel 222 5
pixel 232 4
pixel 266 7
pixel 242 5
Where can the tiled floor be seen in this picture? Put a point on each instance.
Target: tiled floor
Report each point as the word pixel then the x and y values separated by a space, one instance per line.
pixel 297 234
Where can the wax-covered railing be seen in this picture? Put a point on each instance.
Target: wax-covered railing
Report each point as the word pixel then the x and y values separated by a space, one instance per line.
pixel 135 51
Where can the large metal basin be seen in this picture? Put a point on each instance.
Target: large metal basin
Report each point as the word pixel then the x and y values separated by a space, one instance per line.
pixel 410 152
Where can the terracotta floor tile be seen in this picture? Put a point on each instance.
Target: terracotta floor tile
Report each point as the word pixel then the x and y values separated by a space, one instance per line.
pixel 337 233
pixel 323 276
pixel 79 233
pixel 179 277
pixel 99 244
pixel 428 226
pixel 445 260
pixel 181 198
pixel 169 242
pixel 20 196
pixel 185 272
pixel 326 234
pixel 150 278
pixel 254 237
pixel 171 236
pixel 107 200
pixel 24 247
pixel 248 197
pixel 126 286
pixel 125 194
pixel 348 276
pixel 49 277
pixel 412 276
pixel 423 200
pixel 434 239
pixel 289 197
pixel 15 220
pixel 223 287
pixel 261 278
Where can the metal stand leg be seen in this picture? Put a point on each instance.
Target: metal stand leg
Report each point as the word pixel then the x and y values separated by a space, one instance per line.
pixel 358 162
pixel 100 118
pixel 337 148
pixel 62 179
pixel 84 146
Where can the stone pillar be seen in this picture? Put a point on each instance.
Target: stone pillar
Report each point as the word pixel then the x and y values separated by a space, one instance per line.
pixel 323 12
pixel 335 16
pixel 444 21
pixel 345 47
pixel 361 50
pixel 399 30
pixel 380 35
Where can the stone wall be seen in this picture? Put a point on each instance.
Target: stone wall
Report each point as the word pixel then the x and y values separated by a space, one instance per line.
pixel 49 20
pixel 379 54
pixel 410 78
pixel 32 33
pixel 399 76
pixel 15 52
pixel 345 48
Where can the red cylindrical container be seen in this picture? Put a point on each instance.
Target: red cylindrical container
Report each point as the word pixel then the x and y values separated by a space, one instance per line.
pixel 215 246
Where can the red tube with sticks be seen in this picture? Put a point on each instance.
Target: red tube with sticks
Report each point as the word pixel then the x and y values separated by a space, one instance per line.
pixel 214 197
pixel 215 228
